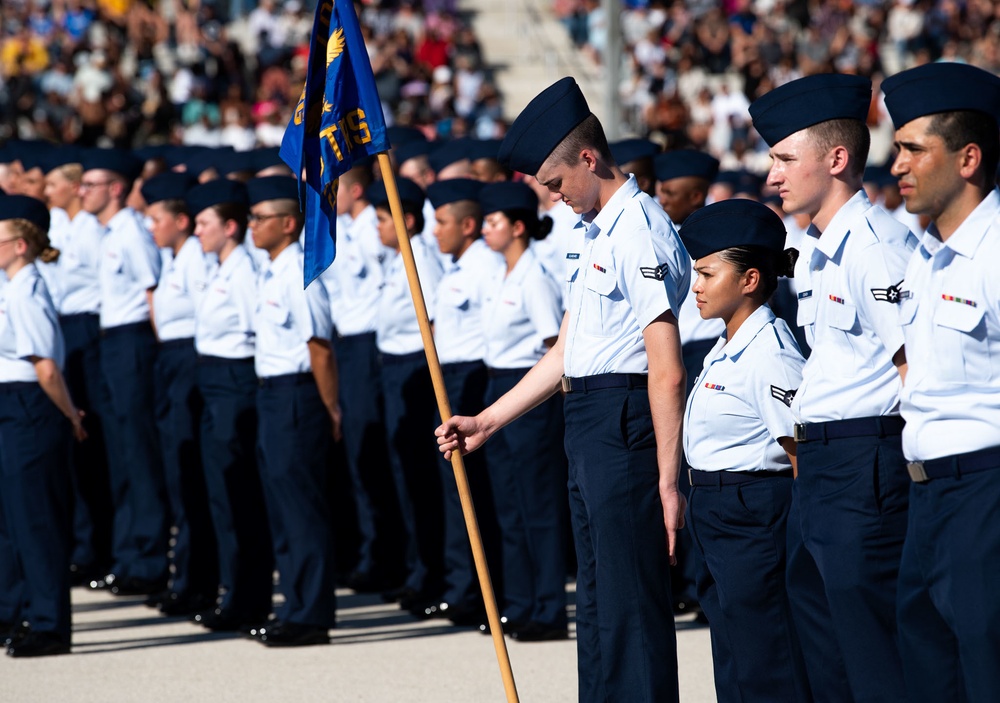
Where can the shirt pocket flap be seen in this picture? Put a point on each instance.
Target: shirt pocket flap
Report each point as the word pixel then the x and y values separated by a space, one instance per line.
pixel 964 318
pixel 601 282
pixel 806 314
pixel 842 316
pixel 276 314
pixel 455 298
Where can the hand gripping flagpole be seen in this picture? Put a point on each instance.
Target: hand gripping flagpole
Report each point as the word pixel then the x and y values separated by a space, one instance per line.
pixel 444 407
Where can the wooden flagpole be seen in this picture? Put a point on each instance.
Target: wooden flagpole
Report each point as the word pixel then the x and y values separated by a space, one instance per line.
pixel 444 407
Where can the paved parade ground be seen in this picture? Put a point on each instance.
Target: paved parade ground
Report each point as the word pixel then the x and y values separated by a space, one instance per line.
pixel 124 652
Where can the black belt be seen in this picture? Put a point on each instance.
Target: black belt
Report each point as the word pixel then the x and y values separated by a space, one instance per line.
pixel 585 384
pixel 462 366
pixel 732 478
pixel 507 373
pixel 955 465
pixel 286 380
pixel 402 358
pixel 182 343
pixel 143 326
pixel 205 359
pixel 879 426
pixel 360 337
pixel 18 386
pixel 74 316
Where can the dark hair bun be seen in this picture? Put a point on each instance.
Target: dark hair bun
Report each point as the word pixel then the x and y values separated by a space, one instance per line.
pixel 785 262
pixel 544 228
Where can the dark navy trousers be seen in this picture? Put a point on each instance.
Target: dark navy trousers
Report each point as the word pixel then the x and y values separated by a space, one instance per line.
pixel 293 442
pixel 363 430
pixel 739 531
pixel 527 469
pixel 949 590
pixel 852 498
pixel 466 385
pixel 626 644
pixel 141 524
pixel 35 494
pixel 178 417
pixel 93 512
pixel 410 414
pixel 235 496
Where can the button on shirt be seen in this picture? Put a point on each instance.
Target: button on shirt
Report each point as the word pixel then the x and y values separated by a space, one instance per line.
pixel 129 266
pixel 182 284
pixel 951 322
pixel 520 311
pixel 632 268
pixel 28 327
pixel 397 331
pixel 73 280
pixel 458 311
pixel 287 316
pixel 739 406
pixel 354 279
pixel 224 317
pixel 848 296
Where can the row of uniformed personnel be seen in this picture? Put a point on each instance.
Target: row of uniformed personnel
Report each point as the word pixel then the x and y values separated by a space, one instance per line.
pixel 844 505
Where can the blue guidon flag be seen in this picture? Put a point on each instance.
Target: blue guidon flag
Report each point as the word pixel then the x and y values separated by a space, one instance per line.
pixel 337 121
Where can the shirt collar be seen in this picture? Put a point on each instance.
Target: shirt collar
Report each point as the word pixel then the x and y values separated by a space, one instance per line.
pixel 25 277
pixel 832 238
pixel 520 270
pixel 748 331
pixel 604 220
pixel 234 259
pixel 970 234
pixel 285 259
pixel 121 216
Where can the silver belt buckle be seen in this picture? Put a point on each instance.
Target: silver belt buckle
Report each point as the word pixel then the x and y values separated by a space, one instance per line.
pixel 566 385
pixel 800 432
pixel 917 472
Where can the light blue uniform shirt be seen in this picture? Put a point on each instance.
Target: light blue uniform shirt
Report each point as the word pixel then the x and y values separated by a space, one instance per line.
pixel 564 238
pixel 458 311
pixel 224 317
pixel 632 268
pixel 951 322
pixel 848 293
pixel 182 283
pixel 287 316
pixel 28 327
pixel 398 331
pixel 73 280
pixel 521 310
pixel 354 279
pixel 130 266
pixel 740 405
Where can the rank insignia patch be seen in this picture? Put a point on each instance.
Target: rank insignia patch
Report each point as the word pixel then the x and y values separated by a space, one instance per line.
pixel 784 396
pixel 892 294
pixel 657 273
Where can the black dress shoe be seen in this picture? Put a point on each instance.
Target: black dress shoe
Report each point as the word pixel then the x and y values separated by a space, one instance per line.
pixel 103 583
pixel 12 633
pixel 38 644
pixel 80 575
pixel 538 632
pixel 463 615
pixel 364 582
pixel 290 634
pixel 219 620
pixel 399 595
pixel 137 587
pixel 185 604
pixel 159 598
pixel 509 626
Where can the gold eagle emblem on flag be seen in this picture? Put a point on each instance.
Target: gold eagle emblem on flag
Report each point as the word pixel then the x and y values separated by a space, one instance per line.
pixel 335 47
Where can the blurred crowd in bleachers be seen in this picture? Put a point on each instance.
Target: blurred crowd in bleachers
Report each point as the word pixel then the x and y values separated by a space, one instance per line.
pixel 222 72
pixel 691 67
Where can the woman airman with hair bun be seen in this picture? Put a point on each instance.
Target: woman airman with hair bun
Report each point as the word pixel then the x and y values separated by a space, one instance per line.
pixel 34 442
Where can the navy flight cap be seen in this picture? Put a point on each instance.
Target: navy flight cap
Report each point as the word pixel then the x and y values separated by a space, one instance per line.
pixel 272 188
pixel 409 193
pixel 940 87
pixel 171 185
pixel 808 101
pixel 628 150
pixel 448 153
pixel 732 223
pixel 116 160
pixel 509 196
pixel 24 207
pixel 683 163
pixel 453 190
pixel 215 192
pixel 542 125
